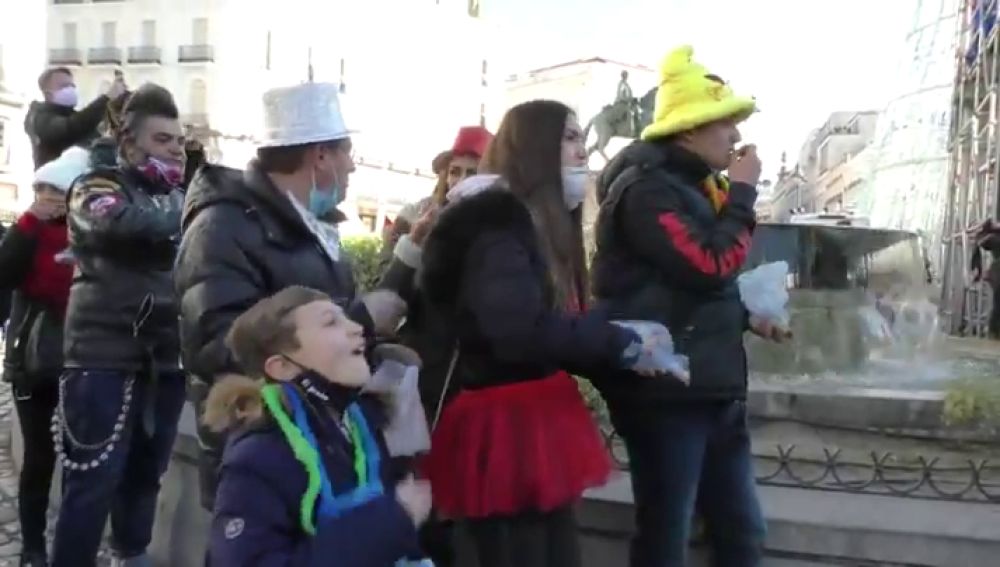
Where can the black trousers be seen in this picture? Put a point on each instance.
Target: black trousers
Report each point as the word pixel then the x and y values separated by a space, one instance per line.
pixel 34 412
pixel 436 542
pixel 531 539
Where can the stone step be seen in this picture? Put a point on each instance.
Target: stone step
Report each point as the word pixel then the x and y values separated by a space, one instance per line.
pixel 807 528
pixel 832 528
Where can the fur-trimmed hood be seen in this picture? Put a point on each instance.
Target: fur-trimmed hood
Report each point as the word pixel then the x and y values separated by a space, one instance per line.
pixel 233 402
pixel 458 226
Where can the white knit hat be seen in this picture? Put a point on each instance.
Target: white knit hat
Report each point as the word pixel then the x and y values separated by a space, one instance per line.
pixel 303 114
pixel 63 171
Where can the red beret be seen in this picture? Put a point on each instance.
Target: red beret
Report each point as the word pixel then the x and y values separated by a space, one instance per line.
pixel 471 140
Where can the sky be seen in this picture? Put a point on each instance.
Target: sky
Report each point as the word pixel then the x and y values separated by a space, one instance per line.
pixel 802 59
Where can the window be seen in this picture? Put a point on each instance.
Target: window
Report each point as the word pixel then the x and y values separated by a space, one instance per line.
pixel 108 32
pixel 199 31
pixel 148 33
pixel 4 150
pixel 69 35
pixel 199 97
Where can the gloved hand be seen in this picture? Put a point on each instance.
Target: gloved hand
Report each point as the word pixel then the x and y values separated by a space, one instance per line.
pixel 386 309
pixel 651 352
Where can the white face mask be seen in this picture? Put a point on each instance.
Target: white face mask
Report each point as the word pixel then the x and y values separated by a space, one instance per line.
pixel 574 180
pixel 65 96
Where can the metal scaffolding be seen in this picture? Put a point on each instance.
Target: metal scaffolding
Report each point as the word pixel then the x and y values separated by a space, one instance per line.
pixel 974 161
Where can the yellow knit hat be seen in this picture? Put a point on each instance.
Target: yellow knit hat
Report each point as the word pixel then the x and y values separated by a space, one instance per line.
pixel 688 97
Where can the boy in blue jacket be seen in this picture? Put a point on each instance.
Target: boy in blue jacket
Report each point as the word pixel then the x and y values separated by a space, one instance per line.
pixel 305 478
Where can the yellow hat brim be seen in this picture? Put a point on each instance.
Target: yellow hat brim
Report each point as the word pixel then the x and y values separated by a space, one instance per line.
pixel 692 116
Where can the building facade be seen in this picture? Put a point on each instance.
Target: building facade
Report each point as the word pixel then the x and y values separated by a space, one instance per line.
pixel 169 42
pixel 839 188
pixel 585 85
pixel 22 55
pixel 822 175
pixel 408 82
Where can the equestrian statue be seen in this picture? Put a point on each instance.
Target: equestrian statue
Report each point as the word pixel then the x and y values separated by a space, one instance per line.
pixel 625 117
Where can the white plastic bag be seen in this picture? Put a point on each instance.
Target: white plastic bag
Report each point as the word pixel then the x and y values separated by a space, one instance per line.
pixel 407 433
pixel 764 292
pixel 657 353
pixel 65 257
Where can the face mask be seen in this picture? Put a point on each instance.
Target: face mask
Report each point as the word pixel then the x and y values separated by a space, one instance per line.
pixel 65 96
pixel 574 180
pixel 317 387
pixel 322 201
pixel 161 172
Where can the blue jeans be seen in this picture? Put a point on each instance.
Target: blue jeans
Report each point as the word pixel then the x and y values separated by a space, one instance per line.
pixel 127 484
pixel 688 455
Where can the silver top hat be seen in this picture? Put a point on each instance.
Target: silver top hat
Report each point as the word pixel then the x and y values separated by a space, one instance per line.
pixel 303 114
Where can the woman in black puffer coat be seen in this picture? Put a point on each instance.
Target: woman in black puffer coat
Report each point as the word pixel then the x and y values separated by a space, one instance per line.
pixel 504 266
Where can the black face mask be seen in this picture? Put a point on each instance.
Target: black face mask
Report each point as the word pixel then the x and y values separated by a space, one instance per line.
pixel 321 390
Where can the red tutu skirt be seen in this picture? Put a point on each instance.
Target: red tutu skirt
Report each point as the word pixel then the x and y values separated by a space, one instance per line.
pixel 508 449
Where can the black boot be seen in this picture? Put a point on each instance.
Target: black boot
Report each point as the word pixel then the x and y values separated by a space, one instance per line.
pixel 34 559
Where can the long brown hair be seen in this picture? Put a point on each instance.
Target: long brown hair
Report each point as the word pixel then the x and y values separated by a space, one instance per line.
pixel 439 196
pixel 527 153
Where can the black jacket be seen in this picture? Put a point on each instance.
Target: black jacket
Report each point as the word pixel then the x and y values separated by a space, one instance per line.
pixel 122 310
pixel 664 254
pixel 244 241
pixel 35 330
pixel 16 253
pixel 426 330
pixel 53 128
pixel 5 291
pixel 484 271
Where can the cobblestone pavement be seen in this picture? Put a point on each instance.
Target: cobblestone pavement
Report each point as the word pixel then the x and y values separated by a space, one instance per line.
pixel 10 530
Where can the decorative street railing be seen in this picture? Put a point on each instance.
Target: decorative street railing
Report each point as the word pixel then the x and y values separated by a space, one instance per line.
pixel 879 472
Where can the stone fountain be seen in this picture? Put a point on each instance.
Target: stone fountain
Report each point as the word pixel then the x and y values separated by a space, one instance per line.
pixel 843 280
pixel 857 462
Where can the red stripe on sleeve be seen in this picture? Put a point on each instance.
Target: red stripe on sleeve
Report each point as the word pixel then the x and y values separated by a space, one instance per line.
pixel 727 263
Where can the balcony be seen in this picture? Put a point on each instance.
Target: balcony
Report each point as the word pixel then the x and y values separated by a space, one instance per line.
pixel 195 119
pixel 105 56
pixel 145 54
pixel 66 56
pixel 196 54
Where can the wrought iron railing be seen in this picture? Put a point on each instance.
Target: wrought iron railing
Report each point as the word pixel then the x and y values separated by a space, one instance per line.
pixel 65 56
pixel 195 53
pixel 144 54
pixel 105 55
pixel 878 473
